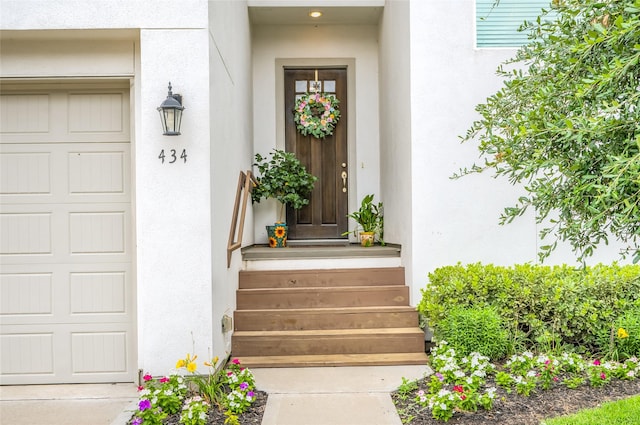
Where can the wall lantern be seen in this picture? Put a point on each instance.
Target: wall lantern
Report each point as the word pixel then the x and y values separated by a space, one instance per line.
pixel 171 113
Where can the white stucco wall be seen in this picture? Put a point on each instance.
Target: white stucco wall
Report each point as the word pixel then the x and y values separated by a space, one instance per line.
pixel 457 220
pixel 337 44
pixel 395 128
pixel 101 14
pixel 173 209
pixel 148 44
pixel 231 149
pixel 454 220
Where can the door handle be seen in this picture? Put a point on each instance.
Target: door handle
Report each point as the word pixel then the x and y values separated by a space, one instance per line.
pixel 344 181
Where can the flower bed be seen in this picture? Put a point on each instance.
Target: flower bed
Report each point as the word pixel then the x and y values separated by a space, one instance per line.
pixel 471 389
pixel 189 398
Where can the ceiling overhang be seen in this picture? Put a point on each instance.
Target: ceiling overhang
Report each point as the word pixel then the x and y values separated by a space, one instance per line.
pixel 296 12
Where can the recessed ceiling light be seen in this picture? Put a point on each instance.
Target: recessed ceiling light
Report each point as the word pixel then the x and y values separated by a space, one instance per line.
pixel 315 14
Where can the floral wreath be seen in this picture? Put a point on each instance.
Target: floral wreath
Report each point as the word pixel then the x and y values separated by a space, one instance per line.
pixel 316 114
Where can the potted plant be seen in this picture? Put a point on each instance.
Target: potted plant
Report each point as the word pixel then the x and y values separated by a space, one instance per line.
pixel 283 178
pixel 370 219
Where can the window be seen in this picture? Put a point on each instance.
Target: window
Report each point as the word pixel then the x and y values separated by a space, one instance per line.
pixel 497 24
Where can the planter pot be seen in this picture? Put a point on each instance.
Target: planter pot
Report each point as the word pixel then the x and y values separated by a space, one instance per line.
pixel 366 238
pixel 277 235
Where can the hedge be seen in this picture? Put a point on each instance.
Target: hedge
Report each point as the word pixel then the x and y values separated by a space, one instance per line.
pixel 554 305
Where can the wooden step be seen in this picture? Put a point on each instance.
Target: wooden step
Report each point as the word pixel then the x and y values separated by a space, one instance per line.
pixel 378 359
pixel 329 317
pixel 321 278
pixel 344 296
pixel 320 342
pixel 326 318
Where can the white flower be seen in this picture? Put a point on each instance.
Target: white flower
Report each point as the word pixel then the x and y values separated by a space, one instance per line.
pixel 531 374
pixel 443 406
pixel 479 373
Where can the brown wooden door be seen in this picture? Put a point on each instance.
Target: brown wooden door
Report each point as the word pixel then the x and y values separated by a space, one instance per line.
pixel 326 215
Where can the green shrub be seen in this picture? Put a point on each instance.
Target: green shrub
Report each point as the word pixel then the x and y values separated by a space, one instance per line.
pixel 557 306
pixel 622 340
pixel 474 329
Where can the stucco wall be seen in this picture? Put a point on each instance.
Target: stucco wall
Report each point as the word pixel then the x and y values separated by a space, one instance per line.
pixel 231 149
pixel 457 220
pixel 395 128
pixel 337 44
pixel 173 209
pixel 101 14
pixel 148 44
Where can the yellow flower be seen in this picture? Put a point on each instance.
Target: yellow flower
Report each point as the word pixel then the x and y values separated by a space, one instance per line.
pixel 180 364
pixel 191 367
pixel 279 232
pixel 213 362
pixel 622 333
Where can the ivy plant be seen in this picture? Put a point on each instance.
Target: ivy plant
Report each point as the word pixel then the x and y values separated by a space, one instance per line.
pixel 566 126
pixel 284 178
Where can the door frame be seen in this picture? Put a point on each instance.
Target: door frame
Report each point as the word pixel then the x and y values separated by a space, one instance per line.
pixel 349 64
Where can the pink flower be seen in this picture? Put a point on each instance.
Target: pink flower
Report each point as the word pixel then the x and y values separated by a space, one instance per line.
pixel 603 376
pixel 244 386
pixel 147 377
pixel 596 362
pixel 463 397
pixel 140 388
pixel 164 379
pixel 235 361
pixel 458 389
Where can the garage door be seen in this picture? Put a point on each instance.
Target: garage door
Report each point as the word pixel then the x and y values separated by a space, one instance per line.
pixel 66 281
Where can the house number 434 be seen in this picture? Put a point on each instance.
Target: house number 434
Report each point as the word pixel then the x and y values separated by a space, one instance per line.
pixel 171 156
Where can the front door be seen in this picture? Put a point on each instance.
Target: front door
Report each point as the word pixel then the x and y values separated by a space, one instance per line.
pixel 326 215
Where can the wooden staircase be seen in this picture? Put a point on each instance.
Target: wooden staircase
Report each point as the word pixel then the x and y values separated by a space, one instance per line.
pixel 326 317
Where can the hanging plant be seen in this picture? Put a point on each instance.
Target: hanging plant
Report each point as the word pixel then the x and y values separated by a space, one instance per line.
pixel 316 114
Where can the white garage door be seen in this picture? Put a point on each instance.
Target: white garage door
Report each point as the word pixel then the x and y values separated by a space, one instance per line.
pixel 66 281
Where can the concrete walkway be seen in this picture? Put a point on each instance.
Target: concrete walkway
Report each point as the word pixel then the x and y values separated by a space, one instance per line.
pixel 87 404
pixel 333 395
pixel 300 396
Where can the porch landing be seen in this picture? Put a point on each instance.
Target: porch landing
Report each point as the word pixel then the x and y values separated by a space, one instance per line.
pixel 303 255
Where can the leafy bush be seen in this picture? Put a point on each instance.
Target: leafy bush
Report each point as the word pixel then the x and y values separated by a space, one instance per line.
pixel 469 330
pixel 553 306
pixel 623 339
